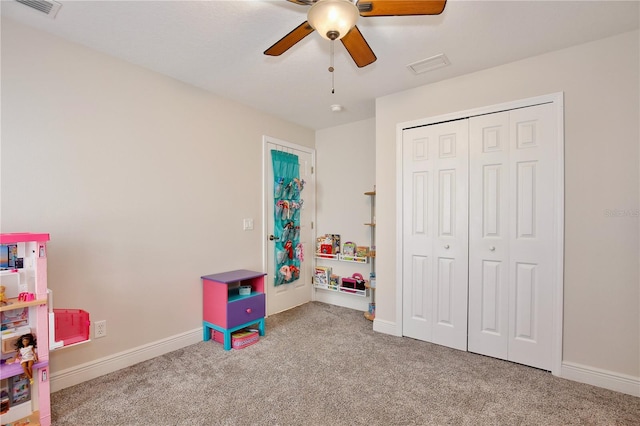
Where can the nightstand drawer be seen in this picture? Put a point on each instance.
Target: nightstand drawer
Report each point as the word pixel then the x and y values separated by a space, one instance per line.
pixel 245 310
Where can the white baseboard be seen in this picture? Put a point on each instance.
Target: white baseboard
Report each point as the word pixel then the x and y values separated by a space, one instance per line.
pixel 386 327
pixel 601 378
pixel 91 370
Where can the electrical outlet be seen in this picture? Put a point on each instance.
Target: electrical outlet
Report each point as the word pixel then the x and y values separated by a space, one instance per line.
pixel 100 329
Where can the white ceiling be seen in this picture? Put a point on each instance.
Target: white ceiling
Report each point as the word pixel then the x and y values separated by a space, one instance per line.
pixel 217 45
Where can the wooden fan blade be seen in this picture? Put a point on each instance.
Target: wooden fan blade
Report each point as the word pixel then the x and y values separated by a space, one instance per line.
pixel 358 48
pixel 286 42
pixel 400 7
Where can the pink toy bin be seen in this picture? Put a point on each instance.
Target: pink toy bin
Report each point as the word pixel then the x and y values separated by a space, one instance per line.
pixel 72 326
pixel 239 339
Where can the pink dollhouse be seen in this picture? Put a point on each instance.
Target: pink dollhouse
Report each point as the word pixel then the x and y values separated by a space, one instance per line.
pixel 23 273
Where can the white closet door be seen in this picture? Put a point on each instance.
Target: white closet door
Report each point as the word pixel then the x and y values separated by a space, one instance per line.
pixel 532 236
pixel 489 234
pixel 512 235
pixel 435 233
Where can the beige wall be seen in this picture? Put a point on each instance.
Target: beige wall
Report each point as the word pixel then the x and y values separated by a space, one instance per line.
pixel 142 182
pixel 600 81
pixel 346 170
pixel 133 175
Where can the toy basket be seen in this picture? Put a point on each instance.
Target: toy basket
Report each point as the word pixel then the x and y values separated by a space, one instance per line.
pixel 239 339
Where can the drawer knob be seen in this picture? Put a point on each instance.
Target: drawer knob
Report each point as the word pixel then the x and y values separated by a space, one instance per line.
pixel 248 310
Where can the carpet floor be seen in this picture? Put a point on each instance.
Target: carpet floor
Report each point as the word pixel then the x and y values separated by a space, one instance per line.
pixel 320 364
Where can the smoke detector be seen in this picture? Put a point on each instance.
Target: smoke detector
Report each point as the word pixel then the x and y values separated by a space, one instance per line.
pixel 47 7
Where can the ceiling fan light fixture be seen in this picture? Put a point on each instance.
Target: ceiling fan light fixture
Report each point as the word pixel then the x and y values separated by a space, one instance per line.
pixel 333 19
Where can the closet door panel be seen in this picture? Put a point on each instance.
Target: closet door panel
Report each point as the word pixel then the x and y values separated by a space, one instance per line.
pixel 451 243
pixel 417 235
pixel 488 234
pixel 435 200
pixel 532 234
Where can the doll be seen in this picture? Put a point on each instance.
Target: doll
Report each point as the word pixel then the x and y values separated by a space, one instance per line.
pixel 26 348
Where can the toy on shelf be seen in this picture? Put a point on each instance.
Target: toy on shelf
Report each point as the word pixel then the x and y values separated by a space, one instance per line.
pixel 334 282
pixel 354 253
pixel 3 296
pixel 362 251
pixel 328 246
pixel 26 297
pixel 353 283
pixel 26 349
pixel 348 250
pixel 322 275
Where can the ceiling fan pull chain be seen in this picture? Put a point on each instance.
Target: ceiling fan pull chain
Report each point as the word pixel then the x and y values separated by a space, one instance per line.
pixel 331 68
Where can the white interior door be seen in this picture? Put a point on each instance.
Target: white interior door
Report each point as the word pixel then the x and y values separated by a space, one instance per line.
pixel 287 296
pixel 512 235
pixel 435 251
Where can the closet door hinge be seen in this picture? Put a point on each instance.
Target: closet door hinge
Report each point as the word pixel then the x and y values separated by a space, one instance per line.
pixel 311 225
pixel 311 169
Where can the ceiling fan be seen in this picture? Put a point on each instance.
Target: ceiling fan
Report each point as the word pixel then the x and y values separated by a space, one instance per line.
pixel 336 20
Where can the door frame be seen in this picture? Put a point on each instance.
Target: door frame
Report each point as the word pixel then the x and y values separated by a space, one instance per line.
pixel 267 215
pixel 557 100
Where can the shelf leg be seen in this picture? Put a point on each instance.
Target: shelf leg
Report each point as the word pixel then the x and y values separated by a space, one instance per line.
pixel 206 332
pixel 227 340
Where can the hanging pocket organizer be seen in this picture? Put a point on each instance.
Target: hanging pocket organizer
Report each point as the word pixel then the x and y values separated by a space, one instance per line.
pixel 287 187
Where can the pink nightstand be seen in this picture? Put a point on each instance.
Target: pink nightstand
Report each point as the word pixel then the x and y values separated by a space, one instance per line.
pixel 223 307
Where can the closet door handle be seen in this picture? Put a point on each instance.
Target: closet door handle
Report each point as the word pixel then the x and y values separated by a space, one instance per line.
pixel 248 310
pixel 446 246
pixel 492 248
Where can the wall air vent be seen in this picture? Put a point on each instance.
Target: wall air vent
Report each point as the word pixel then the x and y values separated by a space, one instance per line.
pixel 48 7
pixel 429 64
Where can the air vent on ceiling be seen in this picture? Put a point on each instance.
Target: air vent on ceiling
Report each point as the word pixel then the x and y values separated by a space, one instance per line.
pixel 48 7
pixel 429 64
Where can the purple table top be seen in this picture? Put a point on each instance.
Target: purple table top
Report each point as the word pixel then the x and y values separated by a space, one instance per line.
pixel 233 276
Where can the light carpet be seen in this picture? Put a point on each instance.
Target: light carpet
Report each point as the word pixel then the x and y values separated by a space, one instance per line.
pixel 320 364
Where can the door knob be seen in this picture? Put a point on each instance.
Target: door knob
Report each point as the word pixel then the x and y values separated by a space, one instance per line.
pixel 273 238
pixel 446 246
pixel 492 248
